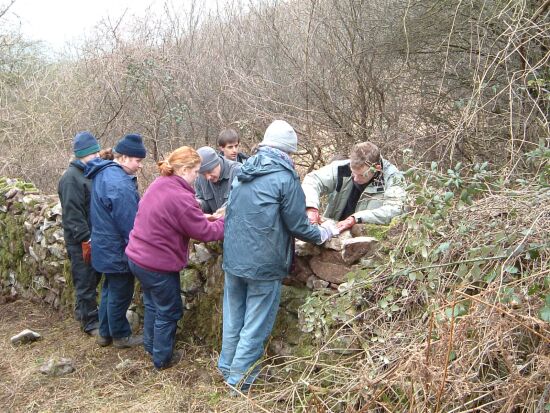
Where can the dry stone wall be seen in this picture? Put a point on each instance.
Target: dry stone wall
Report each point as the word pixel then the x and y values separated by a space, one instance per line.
pixel 33 260
pixel 33 263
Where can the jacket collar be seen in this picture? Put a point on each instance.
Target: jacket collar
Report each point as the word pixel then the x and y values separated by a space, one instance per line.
pixel 225 172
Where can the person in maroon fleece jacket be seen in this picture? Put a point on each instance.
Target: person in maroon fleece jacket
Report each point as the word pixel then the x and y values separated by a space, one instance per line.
pixel 168 216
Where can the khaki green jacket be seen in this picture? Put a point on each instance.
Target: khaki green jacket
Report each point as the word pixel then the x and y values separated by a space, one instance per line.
pixel 381 200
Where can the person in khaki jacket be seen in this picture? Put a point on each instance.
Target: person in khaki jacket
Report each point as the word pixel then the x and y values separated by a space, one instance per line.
pixel 363 189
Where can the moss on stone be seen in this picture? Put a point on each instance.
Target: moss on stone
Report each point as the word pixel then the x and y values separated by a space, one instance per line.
pixel 203 323
pixel 190 280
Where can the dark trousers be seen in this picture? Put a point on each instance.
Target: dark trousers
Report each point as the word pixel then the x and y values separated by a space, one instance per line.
pixel 163 309
pixel 116 296
pixel 85 282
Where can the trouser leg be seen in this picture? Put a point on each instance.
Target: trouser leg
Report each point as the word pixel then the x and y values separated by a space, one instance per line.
pixel 167 298
pixel 234 306
pixel 85 281
pixel 121 291
pixel 262 303
pixel 162 296
pixel 104 329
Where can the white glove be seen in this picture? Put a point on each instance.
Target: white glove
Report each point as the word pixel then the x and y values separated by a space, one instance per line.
pixel 328 230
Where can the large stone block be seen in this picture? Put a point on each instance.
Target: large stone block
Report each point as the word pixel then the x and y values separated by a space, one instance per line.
pixel 335 243
pixel 354 249
pixel 304 249
pixel 301 270
pixel 333 272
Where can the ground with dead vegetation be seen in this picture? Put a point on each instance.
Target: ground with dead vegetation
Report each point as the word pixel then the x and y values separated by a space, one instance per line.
pixel 97 385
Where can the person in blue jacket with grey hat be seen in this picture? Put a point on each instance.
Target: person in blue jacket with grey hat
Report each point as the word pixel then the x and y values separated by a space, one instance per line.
pixel 114 206
pixel 265 211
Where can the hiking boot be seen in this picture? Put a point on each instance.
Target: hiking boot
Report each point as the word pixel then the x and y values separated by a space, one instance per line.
pixel 103 341
pixel 127 342
pixel 93 332
pixel 177 356
pixel 234 392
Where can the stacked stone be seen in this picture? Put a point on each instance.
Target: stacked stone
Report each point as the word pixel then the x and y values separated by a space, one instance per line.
pixel 33 263
pixel 327 266
pixel 33 260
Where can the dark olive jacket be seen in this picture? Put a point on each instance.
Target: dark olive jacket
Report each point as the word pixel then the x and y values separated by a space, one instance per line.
pixel 74 193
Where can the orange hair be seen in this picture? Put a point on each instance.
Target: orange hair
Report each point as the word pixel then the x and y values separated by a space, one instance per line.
pixel 183 157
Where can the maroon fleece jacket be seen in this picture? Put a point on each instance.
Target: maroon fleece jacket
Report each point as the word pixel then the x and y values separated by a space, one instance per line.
pixel 168 216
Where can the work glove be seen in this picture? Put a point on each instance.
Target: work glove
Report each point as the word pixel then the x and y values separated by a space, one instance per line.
pixel 328 230
pixel 313 215
pixel 220 212
pixel 86 251
pixel 346 223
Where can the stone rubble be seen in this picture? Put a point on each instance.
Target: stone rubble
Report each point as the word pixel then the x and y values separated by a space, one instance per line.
pixel 25 336
pixel 57 367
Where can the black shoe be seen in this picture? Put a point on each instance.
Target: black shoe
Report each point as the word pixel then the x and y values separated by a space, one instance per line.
pixel 177 356
pixel 103 341
pixel 127 342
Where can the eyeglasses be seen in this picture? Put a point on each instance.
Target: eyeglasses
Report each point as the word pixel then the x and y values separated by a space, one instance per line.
pixel 371 169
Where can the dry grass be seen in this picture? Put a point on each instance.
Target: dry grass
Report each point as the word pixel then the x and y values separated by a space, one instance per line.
pixel 96 385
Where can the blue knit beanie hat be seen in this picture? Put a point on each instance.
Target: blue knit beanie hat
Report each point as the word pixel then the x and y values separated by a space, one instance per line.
pixel 280 135
pixel 131 145
pixel 84 144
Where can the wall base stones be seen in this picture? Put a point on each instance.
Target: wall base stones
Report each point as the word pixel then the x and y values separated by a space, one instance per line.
pixel 33 263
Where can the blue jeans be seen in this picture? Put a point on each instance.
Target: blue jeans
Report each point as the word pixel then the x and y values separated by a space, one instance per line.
pixel 116 296
pixel 163 309
pixel 249 312
pixel 85 281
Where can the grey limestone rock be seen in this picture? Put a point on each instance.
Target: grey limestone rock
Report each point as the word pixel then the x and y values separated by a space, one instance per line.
pixel 57 367
pixel 25 336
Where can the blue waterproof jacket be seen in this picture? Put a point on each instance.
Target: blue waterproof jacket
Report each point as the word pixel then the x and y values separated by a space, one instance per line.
pixel 113 209
pixel 265 210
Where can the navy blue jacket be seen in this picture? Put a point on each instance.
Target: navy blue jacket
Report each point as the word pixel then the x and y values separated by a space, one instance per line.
pixel 265 210
pixel 113 209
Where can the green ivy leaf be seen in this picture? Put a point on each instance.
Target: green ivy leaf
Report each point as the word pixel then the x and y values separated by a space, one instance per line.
pixel 511 269
pixel 476 272
pixel 459 310
pixel 491 276
pixel 545 314
pixel 448 196
pixel 443 247
pixel 424 252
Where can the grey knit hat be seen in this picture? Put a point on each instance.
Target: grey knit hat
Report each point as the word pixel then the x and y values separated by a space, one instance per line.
pixel 209 159
pixel 280 135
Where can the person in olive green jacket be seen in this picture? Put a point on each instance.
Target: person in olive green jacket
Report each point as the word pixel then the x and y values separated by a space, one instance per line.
pixel 363 189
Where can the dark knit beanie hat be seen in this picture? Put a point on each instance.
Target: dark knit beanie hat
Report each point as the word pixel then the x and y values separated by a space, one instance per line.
pixel 84 144
pixel 209 159
pixel 131 145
